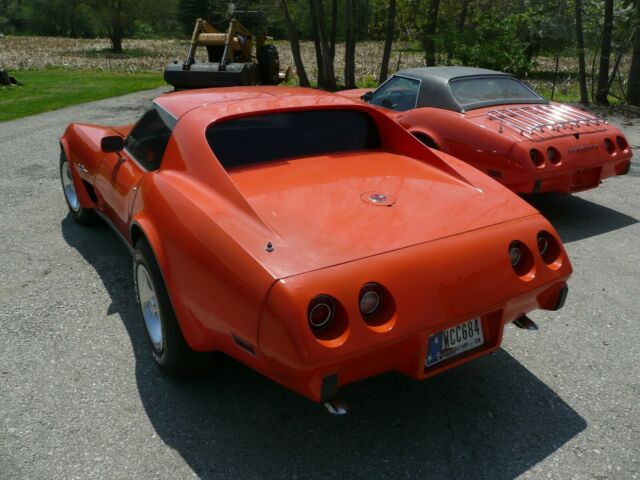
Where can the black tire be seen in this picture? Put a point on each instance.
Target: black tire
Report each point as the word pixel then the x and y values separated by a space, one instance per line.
pixel 82 215
pixel 426 140
pixel 175 358
pixel 268 65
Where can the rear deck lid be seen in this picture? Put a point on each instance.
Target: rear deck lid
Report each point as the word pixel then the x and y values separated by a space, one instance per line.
pixel 328 210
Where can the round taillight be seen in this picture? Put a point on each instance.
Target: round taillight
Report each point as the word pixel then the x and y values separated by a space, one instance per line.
pixel 609 146
pixel 370 299
pixel 536 157
pixel 549 250
pixel 553 155
pixel 320 313
pixel 622 143
pixel 522 260
pixel 543 243
pixel 515 254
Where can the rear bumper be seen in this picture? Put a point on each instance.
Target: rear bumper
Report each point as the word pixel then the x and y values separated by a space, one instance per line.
pixel 429 291
pixel 408 355
pixel 576 180
pixel 570 175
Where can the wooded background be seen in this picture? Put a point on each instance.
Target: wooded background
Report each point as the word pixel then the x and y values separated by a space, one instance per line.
pixel 601 38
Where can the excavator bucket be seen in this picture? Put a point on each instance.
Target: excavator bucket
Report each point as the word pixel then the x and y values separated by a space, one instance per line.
pixel 204 75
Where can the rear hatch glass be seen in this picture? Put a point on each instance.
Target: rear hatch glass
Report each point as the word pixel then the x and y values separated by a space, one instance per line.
pixel 275 136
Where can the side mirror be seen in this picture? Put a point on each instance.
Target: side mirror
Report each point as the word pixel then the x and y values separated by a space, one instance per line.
pixel 112 144
pixel 367 96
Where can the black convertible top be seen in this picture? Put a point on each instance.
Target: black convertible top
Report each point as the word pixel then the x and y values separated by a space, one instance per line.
pixel 435 89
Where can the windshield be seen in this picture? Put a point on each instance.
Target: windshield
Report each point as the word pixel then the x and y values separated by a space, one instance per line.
pixel 491 90
pixel 398 93
pixel 274 136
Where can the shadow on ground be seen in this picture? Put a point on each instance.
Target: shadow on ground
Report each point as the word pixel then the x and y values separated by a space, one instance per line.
pixel 576 218
pixel 491 419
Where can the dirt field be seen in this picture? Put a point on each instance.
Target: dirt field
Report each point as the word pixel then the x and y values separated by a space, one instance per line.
pixel 20 53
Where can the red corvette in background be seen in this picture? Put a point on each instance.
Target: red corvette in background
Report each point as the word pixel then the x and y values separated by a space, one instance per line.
pixel 310 237
pixel 499 125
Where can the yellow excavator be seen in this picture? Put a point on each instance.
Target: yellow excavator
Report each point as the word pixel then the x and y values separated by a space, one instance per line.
pixel 231 60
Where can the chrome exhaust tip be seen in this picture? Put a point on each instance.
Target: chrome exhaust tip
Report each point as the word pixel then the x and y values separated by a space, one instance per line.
pixel 525 323
pixel 336 406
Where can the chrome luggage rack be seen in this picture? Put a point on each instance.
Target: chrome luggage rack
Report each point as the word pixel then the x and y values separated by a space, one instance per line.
pixel 543 121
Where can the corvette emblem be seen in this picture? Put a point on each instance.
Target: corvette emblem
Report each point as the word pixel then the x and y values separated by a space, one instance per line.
pixel 584 149
pixel 378 199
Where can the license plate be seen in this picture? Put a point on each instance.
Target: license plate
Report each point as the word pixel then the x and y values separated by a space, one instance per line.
pixel 454 340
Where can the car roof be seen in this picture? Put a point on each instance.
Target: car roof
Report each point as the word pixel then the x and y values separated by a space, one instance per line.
pixel 235 100
pixel 435 90
pixel 445 74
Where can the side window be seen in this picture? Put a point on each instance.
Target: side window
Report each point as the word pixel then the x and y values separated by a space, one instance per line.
pixel 148 139
pixel 398 93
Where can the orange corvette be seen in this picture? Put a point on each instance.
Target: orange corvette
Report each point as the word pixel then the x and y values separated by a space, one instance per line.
pixel 499 125
pixel 310 237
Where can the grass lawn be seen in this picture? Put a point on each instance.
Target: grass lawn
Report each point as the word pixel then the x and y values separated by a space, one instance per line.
pixel 51 89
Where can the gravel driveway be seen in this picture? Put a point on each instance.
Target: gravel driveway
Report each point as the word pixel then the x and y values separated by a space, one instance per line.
pixel 81 398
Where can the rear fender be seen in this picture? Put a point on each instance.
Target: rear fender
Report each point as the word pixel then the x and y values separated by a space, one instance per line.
pixel 196 336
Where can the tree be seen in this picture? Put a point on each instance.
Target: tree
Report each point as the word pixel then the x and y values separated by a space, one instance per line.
pixel 582 72
pixel 428 38
pixel 334 29
pixel 388 41
pixel 602 91
pixel 350 44
pixel 326 74
pixel 633 85
pixel 303 80
pixel 118 18
pixel 190 10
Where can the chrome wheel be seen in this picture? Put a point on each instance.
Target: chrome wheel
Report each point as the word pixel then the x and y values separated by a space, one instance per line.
pixel 68 187
pixel 150 308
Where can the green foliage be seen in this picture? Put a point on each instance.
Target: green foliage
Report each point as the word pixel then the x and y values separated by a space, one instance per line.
pixel 88 18
pixel 494 45
pixel 51 89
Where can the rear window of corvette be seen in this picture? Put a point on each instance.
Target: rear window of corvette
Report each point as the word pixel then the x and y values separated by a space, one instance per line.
pixel 262 138
pixel 472 90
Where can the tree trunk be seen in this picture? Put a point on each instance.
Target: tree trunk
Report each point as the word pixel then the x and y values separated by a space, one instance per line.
pixel 303 80
pixel 316 44
pixel 593 75
pixel 116 39
pixel 428 38
pixel 334 26
pixel 388 41
pixel 328 75
pixel 582 71
pixel 350 44
pixel 462 19
pixel 602 91
pixel 633 85
pixel 555 76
